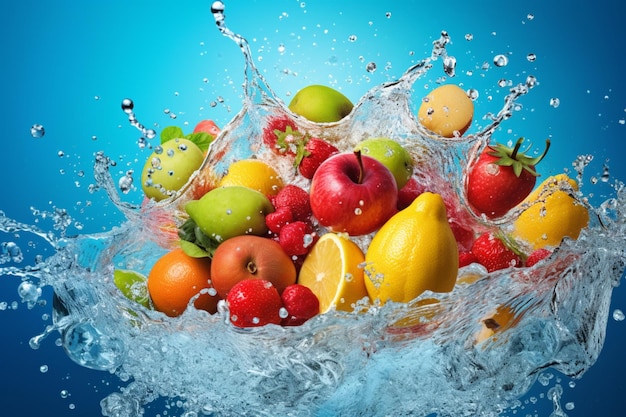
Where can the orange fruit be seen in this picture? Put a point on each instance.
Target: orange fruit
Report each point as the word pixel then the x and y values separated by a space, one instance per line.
pixel 255 174
pixel 176 278
pixel 251 257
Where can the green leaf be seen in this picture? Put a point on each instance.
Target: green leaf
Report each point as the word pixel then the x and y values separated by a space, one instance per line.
pixel 133 285
pixel 202 139
pixel 171 132
pixel 193 250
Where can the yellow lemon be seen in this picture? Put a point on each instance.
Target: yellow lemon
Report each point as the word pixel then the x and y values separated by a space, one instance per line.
pixel 503 318
pixel 447 111
pixel 333 270
pixel 553 215
pixel 255 174
pixel 413 252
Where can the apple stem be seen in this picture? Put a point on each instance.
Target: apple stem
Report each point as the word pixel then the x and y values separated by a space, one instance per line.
pixel 251 267
pixel 357 153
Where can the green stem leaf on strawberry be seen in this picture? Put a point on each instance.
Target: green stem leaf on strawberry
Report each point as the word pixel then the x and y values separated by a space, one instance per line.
pixel 202 139
pixel 501 178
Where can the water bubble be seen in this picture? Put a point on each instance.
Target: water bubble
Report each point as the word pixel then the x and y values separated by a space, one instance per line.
pixel 530 16
pixel 531 57
pixel 60 154
pixel 11 252
pixel 352 38
pixel 64 393
pixel 388 15
pixel 618 315
pixel 500 60
pixel 37 131
pixel 156 162
pixel 217 7
pixel 29 293
pixel 569 406
pixel 89 347
pixel 469 36
pixel 370 67
pixel 43 369
pixel 555 102
pixel 502 82
pixel 127 105
pixel 472 93
pixel 281 49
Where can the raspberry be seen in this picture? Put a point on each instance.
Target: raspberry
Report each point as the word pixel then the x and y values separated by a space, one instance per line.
pixel 301 304
pixel 297 199
pixel 296 238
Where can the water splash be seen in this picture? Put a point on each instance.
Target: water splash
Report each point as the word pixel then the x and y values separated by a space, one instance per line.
pixel 339 363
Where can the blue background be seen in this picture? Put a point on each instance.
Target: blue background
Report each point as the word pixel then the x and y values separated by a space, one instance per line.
pixel 68 66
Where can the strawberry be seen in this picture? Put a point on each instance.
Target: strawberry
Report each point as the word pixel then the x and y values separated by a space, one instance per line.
pixel 501 178
pixel 466 258
pixel 301 304
pixel 315 152
pixel 537 255
pixel 297 199
pixel 278 218
pixel 280 135
pixel 254 303
pixel 492 253
pixel 409 192
pixel 296 238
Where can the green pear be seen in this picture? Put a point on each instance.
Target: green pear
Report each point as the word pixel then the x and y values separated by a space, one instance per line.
pixel 225 212
pixel 321 104
pixel 169 167
pixel 392 155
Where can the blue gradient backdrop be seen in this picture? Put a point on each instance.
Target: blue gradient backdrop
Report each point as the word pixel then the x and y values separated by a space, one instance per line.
pixel 67 65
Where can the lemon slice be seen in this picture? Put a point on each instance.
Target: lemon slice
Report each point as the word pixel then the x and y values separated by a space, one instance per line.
pixel 333 270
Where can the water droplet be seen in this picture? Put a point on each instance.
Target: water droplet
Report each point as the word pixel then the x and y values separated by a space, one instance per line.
pixel 182 147
pixel 43 369
pixel 126 182
pixel 281 49
pixel 500 60
pixel 555 102
pixel 212 292
pixel 469 36
pixel 156 162
pixel 472 93
pixel 64 393
pixel 569 406
pixel 12 252
pixel 618 315
pixel 531 57
pixel 29 293
pixel 217 7
pixel 283 313
pixel 370 67
pixel 37 131
pixel 531 81
pixel 127 105
pixel 358 211
pixel 502 83
pixel 530 16
pixel 170 153
pixel 449 65
pixel 605 174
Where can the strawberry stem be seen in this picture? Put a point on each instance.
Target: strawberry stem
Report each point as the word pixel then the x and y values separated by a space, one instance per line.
pixel 359 159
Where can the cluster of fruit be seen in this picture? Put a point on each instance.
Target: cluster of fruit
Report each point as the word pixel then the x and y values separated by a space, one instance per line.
pixel 279 253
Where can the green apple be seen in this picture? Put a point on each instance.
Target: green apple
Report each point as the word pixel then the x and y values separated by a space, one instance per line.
pixel 225 212
pixel 169 167
pixel 392 155
pixel 321 104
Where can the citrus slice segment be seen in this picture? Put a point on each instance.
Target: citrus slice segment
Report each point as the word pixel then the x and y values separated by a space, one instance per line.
pixel 333 270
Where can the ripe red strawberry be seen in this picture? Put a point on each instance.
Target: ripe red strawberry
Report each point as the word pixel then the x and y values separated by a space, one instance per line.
pixel 466 258
pixel 281 134
pixel 254 303
pixel 297 199
pixel 278 218
pixel 296 238
pixel 501 178
pixel 491 252
pixel 301 305
pixel 537 255
pixel 315 152
pixel 409 192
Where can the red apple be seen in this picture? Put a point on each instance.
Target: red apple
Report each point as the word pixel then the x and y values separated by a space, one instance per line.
pixel 250 257
pixel 353 193
pixel 207 126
